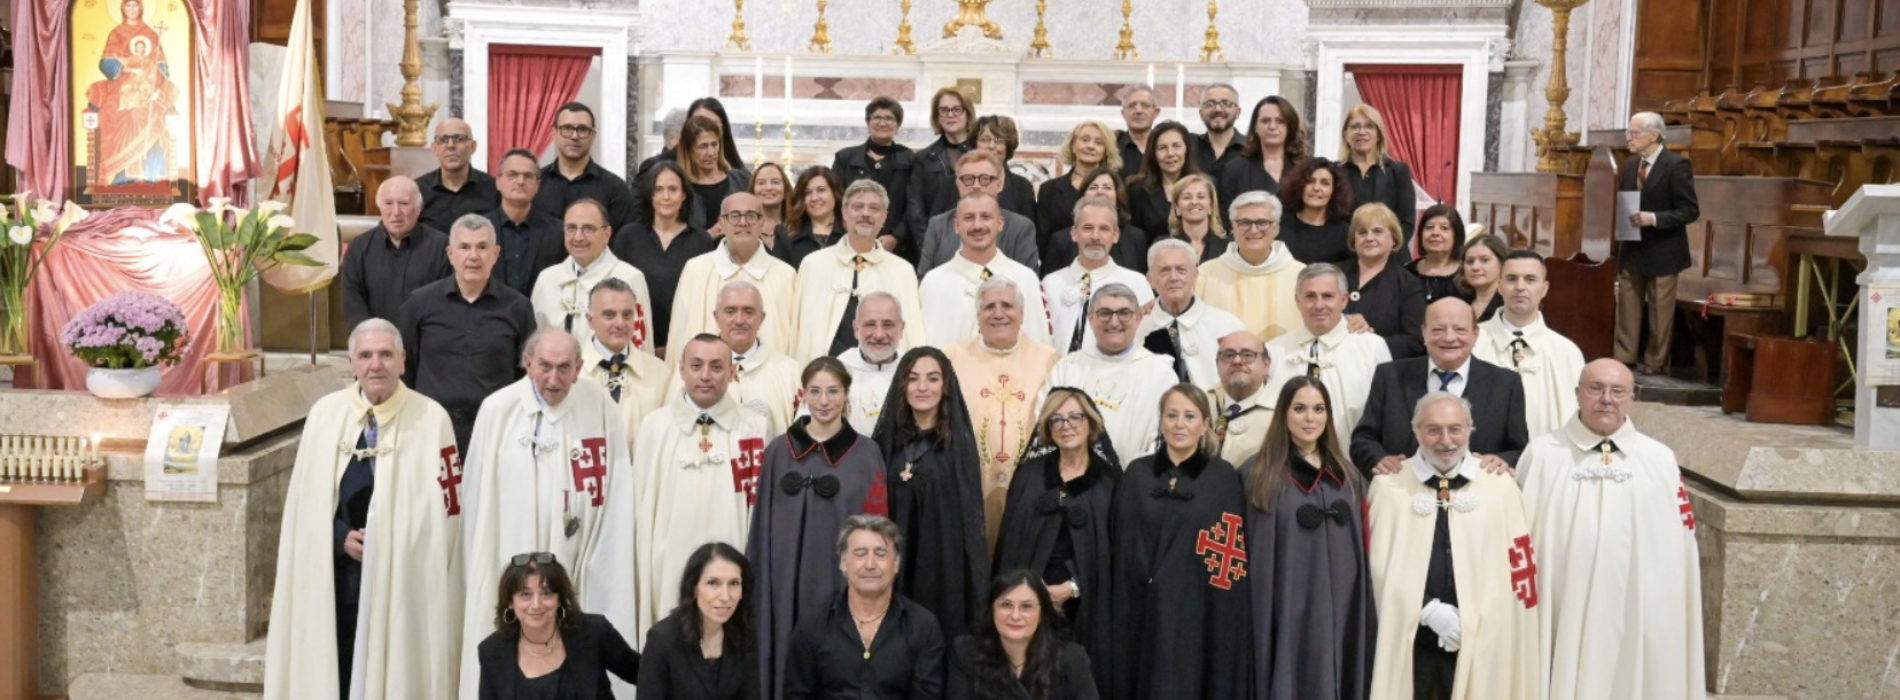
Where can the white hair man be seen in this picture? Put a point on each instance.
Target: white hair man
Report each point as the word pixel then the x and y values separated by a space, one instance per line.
pixel 949 317
pixel 873 362
pixel 1518 340
pixel 372 521
pixel 1096 232
pixel 1125 380
pixel 384 265
pixel 636 380
pixel 1323 348
pixel 1664 183
pixel 1001 376
pixel 1181 326
pixel 1254 279
pixel 740 257
pixel 562 292
pixel 833 283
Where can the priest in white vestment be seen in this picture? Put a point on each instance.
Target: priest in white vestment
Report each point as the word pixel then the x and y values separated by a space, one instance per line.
pixel 740 257
pixel 1179 325
pixel 1125 380
pixel 1622 590
pixel 873 362
pixel 1254 279
pixel 635 380
pixel 832 282
pixel 1096 231
pixel 561 292
pixel 697 470
pixel 373 450
pixel 764 382
pixel 1454 571
pixel 949 291
pixel 548 471
pixel 1243 408
pixel 1518 340
pixel 1002 380
pixel 1322 347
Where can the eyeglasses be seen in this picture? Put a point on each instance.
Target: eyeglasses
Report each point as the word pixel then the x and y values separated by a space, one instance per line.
pixel 882 119
pixel 1616 393
pixel 951 111
pixel 574 131
pixel 869 207
pixel 1065 420
pixel 1123 315
pixel 990 140
pixel 452 140
pixel 1254 224
pixel 1454 431
pixel 588 229
pixel 536 557
pixel 978 180
pixel 1245 357
pixel 748 217
pixel 1223 104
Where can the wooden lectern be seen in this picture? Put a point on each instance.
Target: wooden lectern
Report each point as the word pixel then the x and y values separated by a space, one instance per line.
pixel 20 573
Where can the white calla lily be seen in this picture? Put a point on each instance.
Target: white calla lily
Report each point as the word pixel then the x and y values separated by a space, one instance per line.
pixel 71 214
pixel 282 221
pixel 270 208
pixel 182 215
pixel 44 212
pixel 20 235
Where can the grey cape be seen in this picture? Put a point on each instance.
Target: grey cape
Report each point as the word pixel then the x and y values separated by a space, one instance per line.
pixel 1314 627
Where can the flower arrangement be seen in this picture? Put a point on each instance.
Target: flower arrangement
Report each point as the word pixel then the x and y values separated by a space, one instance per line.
pixel 20 263
pixel 128 330
pixel 240 245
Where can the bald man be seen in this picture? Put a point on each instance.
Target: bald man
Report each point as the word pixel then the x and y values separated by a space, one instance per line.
pixel 1383 439
pixel 383 266
pixel 457 187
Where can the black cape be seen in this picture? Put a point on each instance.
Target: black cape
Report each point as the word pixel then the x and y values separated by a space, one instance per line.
pixel 806 491
pixel 1180 590
pixel 1039 508
pixel 1314 627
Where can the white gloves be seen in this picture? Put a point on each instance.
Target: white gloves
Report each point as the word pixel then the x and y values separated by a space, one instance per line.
pixel 1443 619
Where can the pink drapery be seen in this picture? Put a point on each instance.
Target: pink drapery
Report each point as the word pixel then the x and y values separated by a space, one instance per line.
pixel 536 80
pixel 1421 107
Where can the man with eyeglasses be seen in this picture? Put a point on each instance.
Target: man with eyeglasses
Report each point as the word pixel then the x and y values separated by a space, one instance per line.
pixel 531 240
pixel 382 266
pixel 465 332
pixel 1181 326
pixel 1383 438
pixel 574 174
pixel 740 257
pixel 873 362
pixel 946 291
pixel 1325 349
pixel 1000 375
pixel 1138 114
pixel 456 187
pixel 1124 379
pixel 1096 233
pixel 1243 409
pixel 833 283
pixel 1518 340
pixel 979 171
pixel 1616 557
pixel 1254 279
pixel 1220 113
pixel 562 292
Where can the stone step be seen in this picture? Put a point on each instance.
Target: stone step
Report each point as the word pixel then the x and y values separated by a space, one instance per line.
pixel 1675 391
pixel 126 686
pixel 234 667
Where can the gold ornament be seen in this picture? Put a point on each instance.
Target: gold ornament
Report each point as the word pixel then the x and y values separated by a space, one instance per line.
pixel 414 118
pixel 970 14
pixel 1039 47
pixel 1125 49
pixel 820 33
pixel 738 40
pixel 1555 134
pixel 904 46
pixel 1210 48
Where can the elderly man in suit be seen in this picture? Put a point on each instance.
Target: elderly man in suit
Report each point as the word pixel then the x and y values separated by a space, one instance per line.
pixel 1384 437
pixel 1648 267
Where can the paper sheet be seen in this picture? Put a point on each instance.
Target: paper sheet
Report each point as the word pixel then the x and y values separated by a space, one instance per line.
pixel 1627 204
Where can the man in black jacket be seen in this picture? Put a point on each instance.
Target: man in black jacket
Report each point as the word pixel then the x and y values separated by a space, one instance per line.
pixel 1648 267
pixel 1384 437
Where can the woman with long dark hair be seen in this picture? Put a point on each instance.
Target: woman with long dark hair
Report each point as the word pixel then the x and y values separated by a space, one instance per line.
pixel 1276 142
pixel 703 650
pixel 1130 250
pixel 712 108
pixel 544 647
pixel 815 219
pixel 1314 628
pixel 771 185
pixel 1483 271
pixel 708 174
pixel 660 241
pixel 936 490
pixel 1316 212
pixel 1170 157
pixel 1441 251
pixel 1016 651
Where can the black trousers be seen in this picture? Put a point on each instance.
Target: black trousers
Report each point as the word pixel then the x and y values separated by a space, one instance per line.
pixel 1433 670
pixel 345 647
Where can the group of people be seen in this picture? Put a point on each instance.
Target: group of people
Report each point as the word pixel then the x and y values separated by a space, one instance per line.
pixel 911 430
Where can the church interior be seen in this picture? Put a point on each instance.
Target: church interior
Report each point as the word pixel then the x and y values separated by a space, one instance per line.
pixel 137 560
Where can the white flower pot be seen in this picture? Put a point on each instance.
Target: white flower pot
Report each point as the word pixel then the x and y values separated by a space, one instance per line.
pixel 122 383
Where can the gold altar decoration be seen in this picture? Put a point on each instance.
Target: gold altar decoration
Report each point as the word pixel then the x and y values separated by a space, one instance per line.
pixel 904 46
pixel 1125 49
pixel 820 33
pixel 1555 134
pixel 970 13
pixel 413 117
pixel 1210 48
pixel 1039 47
pixel 737 40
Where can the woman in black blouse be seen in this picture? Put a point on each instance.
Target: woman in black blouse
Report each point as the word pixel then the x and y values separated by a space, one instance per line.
pixel 997 134
pixel 708 174
pixel 881 158
pixel 660 241
pixel 1383 297
pixel 933 182
pixel 1130 251
pixel 544 647
pixel 1089 147
pixel 1318 210
pixel 1275 144
pixel 770 185
pixel 1015 652
pixel 814 223
pixel 1484 269
pixel 1170 156
pixel 1441 252
pixel 1374 175
pixel 704 649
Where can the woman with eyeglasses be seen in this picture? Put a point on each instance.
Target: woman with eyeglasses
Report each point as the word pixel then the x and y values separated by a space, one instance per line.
pixel 1130 250
pixel 1275 144
pixel 998 134
pixel 1314 623
pixel 544 647
pixel 1090 146
pixel 661 240
pixel 815 215
pixel 1383 297
pixel 1317 216
pixel 704 649
pixel 768 184
pixel 1181 566
pixel 818 474
pixel 1483 270
pixel 1056 522
pixel 1441 245
pixel 1374 175
pixel 883 159
pixel 1194 220
pixel 708 173
pixel 933 186
pixel 1017 650
pixel 1170 156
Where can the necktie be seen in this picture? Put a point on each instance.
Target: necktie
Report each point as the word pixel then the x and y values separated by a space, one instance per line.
pixel 1445 379
pixel 1233 410
pixel 369 432
pixel 1312 360
pixel 1180 361
pixel 1642 174
pixel 1081 320
pixel 1518 348
pixel 844 337
pixel 985 275
pixel 614 366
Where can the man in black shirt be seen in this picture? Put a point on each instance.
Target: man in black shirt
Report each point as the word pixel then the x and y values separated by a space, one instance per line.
pixel 574 174
pixel 384 265
pixel 455 188
pixel 904 657
pixel 1220 111
pixel 465 332
pixel 530 239
pixel 1138 113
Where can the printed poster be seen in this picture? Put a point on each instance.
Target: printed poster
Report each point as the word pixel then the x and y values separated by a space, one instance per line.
pixel 181 456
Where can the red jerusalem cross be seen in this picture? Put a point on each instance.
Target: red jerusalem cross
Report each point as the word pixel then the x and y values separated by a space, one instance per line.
pixel 450 479
pixel 1226 551
pixel 1682 506
pixel 1524 571
pixel 746 467
pixel 589 464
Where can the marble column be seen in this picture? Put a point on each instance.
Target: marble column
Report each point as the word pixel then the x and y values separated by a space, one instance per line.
pixel 1514 147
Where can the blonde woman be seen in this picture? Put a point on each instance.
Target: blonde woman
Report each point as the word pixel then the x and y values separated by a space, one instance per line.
pixel 1193 218
pixel 1374 175
pixel 1090 145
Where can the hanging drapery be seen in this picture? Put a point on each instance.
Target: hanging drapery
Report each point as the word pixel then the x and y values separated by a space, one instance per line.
pixel 536 81
pixel 1421 106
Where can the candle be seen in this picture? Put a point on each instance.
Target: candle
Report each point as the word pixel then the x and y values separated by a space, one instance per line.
pixel 1180 93
pixel 1151 76
pixel 758 84
pixel 96 461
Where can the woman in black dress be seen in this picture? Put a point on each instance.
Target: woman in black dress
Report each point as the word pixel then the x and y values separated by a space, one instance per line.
pixel 933 182
pixel 544 647
pixel 1441 251
pixel 1131 249
pixel 661 240
pixel 769 184
pixel 814 223
pixel 936 490
pixel 1484 269
pixel 1374 175
pixel 1275 143
pixel 880 158
pixel 1016 651
pixel 1170 156
pixel 1090 146
pixel 703 650
pixel 1194 220
pixel 712 108
pixel 708 173
pixel 1383 297
pixel 1317 211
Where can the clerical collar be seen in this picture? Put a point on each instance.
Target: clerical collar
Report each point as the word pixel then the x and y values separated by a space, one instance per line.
pixel 1426 473
pixel 981 343
pixel 1504 321
pixel 580 271
pixel 1114 355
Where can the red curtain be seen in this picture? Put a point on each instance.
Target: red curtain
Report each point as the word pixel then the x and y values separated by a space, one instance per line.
pixel 1420 105
pixel 526 84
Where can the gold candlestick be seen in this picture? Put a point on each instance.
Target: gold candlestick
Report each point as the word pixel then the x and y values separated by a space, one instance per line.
pixel 970 13
pixel 737 39
pixel 1039 47
pixel 1125 49
pixel 413 117
pixel 1210 48
pixel 1555 134
pixel 903 46
pixel 820 33
pixel 785 157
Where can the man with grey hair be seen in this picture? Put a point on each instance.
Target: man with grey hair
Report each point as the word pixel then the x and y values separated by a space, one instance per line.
pixel 548 471
pixel 830 658
pixel 634 378
pixel 1647 266
pixel 1220 113
pixel 1180 326
pixel 949 317
pixel 465 332
pixel 1000 376
pixel 372 442
pixel 384 265
pixel 1138 114
pixel 670 127
pixel 1096 233
pixel 1254 279
pixel 1322 348
pixel 832 283
pixel 1125 380
pixel 873 361
pixel 457 187
pixel 740 256
pixel 764 380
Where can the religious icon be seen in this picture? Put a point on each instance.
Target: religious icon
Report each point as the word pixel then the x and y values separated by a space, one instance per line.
pixel 132 88
pixel 181 449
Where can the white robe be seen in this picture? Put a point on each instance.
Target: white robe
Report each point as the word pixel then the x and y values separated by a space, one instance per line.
pixel 690 493
pixel 1261 295
pixel 766 384
pixel 870 384
pixel 824 288
pixel 1616 565
pixel 1241 437
pixel 698 295
pixel 642 380
pixel 1346 363
pixel 1068 298
pixel 1127 390
pixel 409 629
pixel 561 292
pixel 526 491
pixel 950 303
pixel 1550 367
pixel 1202 327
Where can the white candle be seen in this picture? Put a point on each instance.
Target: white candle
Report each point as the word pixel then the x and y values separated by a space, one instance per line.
pixel 758 85
pixel 788 89
pixel 1180 93
pixel 1151 76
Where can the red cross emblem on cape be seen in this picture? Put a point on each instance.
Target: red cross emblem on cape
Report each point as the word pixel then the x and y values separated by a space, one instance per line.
pixel 639 325
pixel 1524 571
pixel 1226 551
pixel 746 467
pixel 589 464
pixel 1682 506
pixel 449 477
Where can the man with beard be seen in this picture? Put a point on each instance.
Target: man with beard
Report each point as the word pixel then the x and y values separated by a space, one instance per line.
pixel 873 363
pixel 574 174
pixel 833 282
pixel 456 187
pixel 1243 408
pixel 1001 376
pixel 1096 231
pixel 978 172
pixel 949 317
pixel 1254 278
pixel 1220 111
pixel 1124 379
